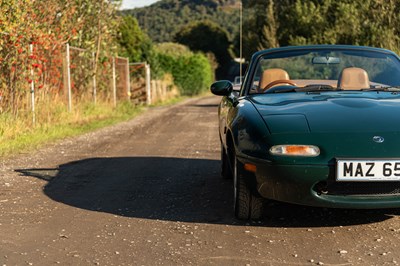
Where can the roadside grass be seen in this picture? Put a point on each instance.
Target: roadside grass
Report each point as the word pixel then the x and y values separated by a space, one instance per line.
pixel 171 101
pixel 18 134
pixel 54 122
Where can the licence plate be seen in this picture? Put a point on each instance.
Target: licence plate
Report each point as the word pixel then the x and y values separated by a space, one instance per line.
pixel 368 170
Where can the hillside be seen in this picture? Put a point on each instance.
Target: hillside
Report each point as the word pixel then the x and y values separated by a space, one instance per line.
pixel 163 19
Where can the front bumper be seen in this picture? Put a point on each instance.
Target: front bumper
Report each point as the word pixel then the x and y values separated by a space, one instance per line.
pixel 315 185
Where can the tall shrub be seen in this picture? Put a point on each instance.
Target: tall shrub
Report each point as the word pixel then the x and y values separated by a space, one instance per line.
pixel 192 72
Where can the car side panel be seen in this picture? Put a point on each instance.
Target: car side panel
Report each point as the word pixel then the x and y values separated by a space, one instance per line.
pixel 248 129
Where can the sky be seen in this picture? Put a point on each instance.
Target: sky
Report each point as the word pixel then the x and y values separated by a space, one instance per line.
pixel 128 4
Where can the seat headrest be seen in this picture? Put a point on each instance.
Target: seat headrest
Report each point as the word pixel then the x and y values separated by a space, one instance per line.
pixel 272 74
pixel 353 78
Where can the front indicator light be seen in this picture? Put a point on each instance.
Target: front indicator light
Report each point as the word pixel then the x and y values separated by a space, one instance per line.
pixel 295 150
pixel 250 167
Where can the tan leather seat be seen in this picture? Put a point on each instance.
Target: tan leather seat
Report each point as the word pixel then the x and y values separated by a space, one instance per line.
pixel 353 78
pixel 272 74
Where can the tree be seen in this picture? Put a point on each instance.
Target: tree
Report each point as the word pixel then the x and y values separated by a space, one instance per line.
pixel 164 18
pixel 268 37
pixel 133 42
pixel 260 26
pixel 300 22
pixel 208 37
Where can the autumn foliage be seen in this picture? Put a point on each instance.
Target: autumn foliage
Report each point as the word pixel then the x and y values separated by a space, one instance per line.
pixel 32 44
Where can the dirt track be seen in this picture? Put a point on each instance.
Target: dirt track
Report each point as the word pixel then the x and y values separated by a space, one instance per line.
pixel 148 192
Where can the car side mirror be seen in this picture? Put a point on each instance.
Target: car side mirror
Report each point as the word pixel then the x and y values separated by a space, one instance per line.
pixel 222 88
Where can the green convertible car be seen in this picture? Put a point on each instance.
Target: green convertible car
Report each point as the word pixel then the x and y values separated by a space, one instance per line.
pixel 313 125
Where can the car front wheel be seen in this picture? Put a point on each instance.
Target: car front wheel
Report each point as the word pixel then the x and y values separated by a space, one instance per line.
pixel 248 204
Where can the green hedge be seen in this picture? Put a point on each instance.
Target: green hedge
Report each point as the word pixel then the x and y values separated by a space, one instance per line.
pixel 192 72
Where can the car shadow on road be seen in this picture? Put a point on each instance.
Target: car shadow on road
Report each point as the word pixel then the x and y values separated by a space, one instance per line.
pixel 175 189
pixel 204 105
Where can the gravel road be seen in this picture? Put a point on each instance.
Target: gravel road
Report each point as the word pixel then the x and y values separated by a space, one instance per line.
pixel 148 192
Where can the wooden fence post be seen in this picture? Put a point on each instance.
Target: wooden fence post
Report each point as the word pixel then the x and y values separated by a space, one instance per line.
pixel 69 78
pixel 148 84
pixel 114 82
pixel 32 89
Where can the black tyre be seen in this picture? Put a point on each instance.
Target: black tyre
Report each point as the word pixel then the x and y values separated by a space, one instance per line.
pixel 248 204
pixel 226 169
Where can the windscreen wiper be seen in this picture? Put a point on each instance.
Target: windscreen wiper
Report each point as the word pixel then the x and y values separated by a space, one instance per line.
pixel 282 89
pixel 382 88
pixel 308 88
pixel 316 88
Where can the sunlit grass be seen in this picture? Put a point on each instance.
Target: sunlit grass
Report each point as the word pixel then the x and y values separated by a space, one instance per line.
pixel 19 134
pixel 170 101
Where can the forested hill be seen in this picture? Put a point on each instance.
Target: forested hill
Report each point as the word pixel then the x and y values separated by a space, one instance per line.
pixel 164 18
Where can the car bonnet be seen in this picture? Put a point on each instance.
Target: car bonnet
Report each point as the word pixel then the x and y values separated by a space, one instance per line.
pixel 329 112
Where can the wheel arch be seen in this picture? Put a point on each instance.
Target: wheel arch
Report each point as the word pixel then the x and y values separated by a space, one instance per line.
pixel 230 146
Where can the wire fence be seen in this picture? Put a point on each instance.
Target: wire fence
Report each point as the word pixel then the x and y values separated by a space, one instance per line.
pixel 111 84
pixel 65 76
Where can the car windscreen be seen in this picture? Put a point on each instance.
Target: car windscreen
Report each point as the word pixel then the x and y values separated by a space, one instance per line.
pixel 326 65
